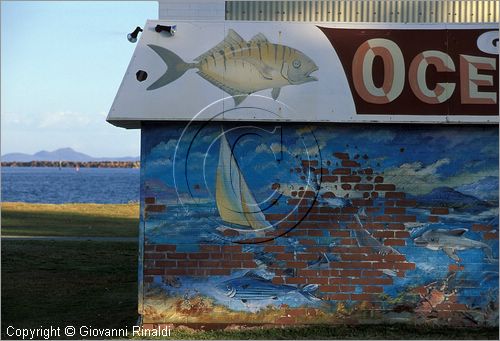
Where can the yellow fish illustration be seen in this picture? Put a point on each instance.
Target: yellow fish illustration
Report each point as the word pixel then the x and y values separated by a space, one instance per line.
pixel 241 68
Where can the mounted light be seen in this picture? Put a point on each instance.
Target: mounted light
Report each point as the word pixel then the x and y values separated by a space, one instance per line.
pixel 132 37
pixel 170 29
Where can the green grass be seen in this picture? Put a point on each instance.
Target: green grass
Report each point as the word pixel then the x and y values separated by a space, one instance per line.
pixel 96 220
pixel 68 283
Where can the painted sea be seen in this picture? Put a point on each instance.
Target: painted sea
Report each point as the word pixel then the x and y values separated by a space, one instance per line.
pixel 67 185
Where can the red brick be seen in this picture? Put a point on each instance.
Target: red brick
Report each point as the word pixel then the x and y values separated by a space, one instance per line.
pixel 248 264
pixel 342 156
pixel 363 297
pixel 383 234
pixel 274 248
pixel 231 248
pixel 350 273
pixel 378 179
pixel 341 171
pixel 278 280
pixel 309 163
pixel 395 258
pixel 340 233
pixel 321 171
pixel 348 242
pixel 352 178
pixel 198 255
pixel 315 233
pixel 361 202
pixel 149 200
pixel 454 267
pixel 346 288
pixel 329 178
pixel 373 289
pixel 395 210
pixel 363 187
pixel 177 255
pixel 372 281
pixel 242 256
pixel 165 247
pixel 155 208
pixel 153 272
pixel 153 255
pixel 394 195
pixel 296 280
pixel 405 266
pixel 385 218
pixel 440 210
pixel 219 272
pixel 394 242
pixel 165 263
pixel 405 218
pixel 187 264
pixel 216 256
pixel 491 235
pixel 396 226
pixel 329 288
pixel 149 247
pixel 350 163
pixel 346 187
pixel 433 219
pixel 479 227
pixel 372 273
pixel 284 256
pixel 406 203
pixel 230 264
pixel 402 234
pixel 298 265
pixel 385 187
pixel 175 272
pixel 209 264
pixel 317 280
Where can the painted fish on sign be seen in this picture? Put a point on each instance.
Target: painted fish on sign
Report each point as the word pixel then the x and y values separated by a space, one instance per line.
pixel 241 68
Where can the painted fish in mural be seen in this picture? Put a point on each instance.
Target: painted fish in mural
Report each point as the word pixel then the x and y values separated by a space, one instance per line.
pixel 451 241
pixel 241 68
pixel 365 239
pixel 251 287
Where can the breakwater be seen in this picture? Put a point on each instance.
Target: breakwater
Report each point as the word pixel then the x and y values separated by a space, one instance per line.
pixel 75 164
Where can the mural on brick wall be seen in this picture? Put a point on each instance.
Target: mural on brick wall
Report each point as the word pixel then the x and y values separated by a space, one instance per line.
pixel 320 224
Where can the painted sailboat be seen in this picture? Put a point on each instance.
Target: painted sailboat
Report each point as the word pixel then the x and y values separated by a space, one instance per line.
pixel 236 204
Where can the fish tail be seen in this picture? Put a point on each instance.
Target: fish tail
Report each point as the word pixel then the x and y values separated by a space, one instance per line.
pixel 489 253
pixel 176 67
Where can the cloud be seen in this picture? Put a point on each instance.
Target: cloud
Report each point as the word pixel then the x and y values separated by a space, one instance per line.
pixel 272 149
pixel 415 177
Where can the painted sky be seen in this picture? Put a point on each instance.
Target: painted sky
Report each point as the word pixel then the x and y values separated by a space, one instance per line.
pixel 62 63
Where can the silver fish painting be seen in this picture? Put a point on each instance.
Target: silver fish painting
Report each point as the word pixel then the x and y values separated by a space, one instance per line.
pixel 241 67
pixel 451 241
pixel 251 286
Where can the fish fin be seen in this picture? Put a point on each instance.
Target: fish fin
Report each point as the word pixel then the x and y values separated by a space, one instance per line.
pixel 451 253
pixel 259 38
pixel 489 253
pixel 176 67
pixel 232 39
pixel 265 70
pixel 389 272
pixel 310 288
pixel 275 93
pixel 308 291
pixel 274 297
pixel 244 301
pixel 457 232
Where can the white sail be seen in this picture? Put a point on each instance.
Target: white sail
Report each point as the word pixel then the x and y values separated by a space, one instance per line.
pixel 235 202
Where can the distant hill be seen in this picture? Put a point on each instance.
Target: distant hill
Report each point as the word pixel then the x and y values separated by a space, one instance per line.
pixel 62 154
pixel 448 197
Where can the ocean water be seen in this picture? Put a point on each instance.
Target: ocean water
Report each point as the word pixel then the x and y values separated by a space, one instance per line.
pixel 66 185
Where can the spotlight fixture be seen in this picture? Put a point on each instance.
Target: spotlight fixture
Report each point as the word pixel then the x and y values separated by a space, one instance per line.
pixel 169 29
pixel 132 37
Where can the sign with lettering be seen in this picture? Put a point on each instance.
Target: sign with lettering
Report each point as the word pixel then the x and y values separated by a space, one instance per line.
pixel 312 72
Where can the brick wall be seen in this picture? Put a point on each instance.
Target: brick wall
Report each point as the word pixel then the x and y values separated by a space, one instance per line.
pixel 347 238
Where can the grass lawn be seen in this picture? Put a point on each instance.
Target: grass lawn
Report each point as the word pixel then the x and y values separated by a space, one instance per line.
pixel 96 220
pixel 68 283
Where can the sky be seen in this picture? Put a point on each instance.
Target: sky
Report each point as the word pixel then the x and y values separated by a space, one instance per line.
pixel 61 65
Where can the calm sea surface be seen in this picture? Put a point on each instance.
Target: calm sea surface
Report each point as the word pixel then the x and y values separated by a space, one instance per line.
pixel 66 185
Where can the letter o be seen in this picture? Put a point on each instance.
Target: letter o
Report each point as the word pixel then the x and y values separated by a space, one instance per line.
pixel 394 71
